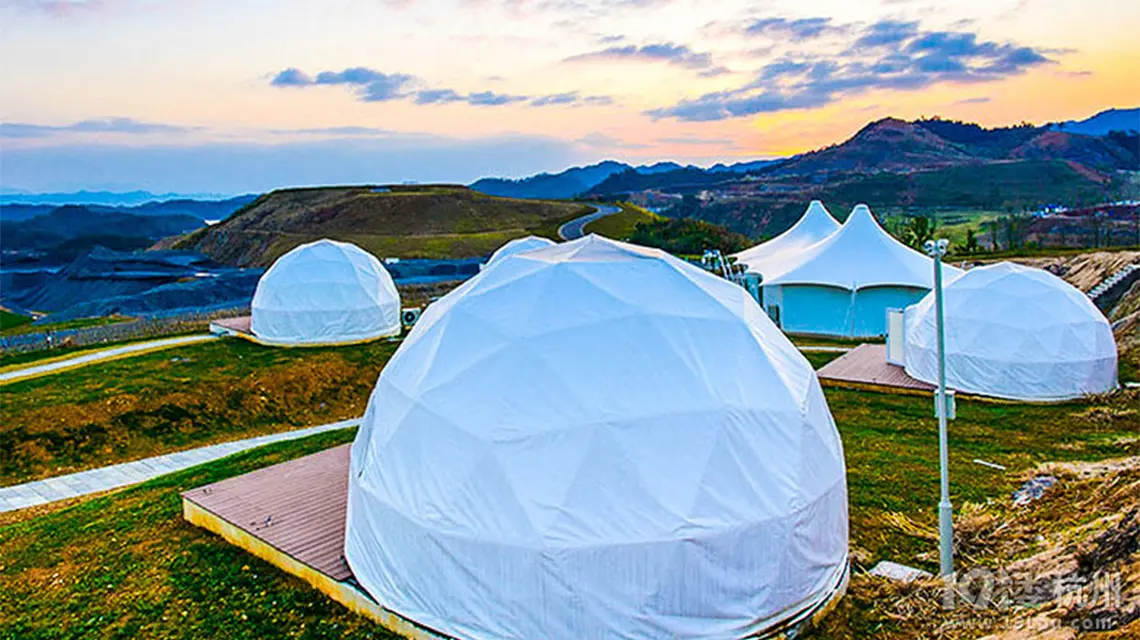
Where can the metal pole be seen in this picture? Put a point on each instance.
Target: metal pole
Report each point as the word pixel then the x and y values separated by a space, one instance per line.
pixel 945 510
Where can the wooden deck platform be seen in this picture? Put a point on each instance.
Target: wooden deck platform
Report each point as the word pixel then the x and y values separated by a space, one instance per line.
pixel 232 326
pixel 292 515
pixel 867 366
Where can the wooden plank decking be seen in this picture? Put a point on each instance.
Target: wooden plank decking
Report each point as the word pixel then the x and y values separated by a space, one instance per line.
pixel 297 507
pixel 237 325
pixel 867 365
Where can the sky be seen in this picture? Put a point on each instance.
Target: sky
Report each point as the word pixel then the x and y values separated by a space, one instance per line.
pixel 230 96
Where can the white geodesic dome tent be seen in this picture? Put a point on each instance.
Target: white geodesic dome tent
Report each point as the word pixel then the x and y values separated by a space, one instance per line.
pixel 1013 332
pixel 518 245
pixel 597 440
pixel 814 225
pixel 844 284
pixel 325 292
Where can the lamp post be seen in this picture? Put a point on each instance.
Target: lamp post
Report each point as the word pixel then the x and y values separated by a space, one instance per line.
pixel 936 249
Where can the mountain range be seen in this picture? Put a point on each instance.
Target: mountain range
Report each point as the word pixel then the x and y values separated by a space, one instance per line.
pixel 1103 143
pixel 106 198
pixel 579 180
pixel 204 210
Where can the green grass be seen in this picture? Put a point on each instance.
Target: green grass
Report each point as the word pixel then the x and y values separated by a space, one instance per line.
pixel 10 321
pixel 78 323
pixel 820 358
pixel 620 226
pixel 127 565
pixel 177 398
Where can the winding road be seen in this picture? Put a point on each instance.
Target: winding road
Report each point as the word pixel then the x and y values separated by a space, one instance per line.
pixel 576 228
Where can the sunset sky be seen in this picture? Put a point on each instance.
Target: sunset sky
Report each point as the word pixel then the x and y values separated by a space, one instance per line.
pixel 228 96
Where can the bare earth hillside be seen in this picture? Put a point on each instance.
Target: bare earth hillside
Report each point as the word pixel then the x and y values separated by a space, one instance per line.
pixel 406 222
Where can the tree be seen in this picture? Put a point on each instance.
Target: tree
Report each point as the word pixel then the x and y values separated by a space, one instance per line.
pixel 971 241
pixel 917 230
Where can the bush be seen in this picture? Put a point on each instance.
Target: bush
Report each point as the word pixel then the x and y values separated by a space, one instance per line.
pixel 688 236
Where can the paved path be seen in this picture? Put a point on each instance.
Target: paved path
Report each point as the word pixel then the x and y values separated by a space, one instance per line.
pixel 576 228
pixel 115 476
pixel 114 353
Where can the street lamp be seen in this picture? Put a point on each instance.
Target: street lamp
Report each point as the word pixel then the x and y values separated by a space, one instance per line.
pixel 936 249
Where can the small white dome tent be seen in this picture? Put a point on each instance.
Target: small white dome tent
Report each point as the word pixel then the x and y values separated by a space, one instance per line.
pixel 815 225
pixel 597 440
pixel 518 245
pixel 1013 332
pixel 325 292
pixel 844 284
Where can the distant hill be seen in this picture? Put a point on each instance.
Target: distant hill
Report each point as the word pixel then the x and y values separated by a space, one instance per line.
pixel 107 198
pixel 577 181
pixel 205 210
pixel 1102 123
pixel 566 184
pixel 442 221
pixel 70 231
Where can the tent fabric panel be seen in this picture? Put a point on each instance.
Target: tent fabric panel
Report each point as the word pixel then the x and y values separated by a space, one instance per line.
pixel 816 310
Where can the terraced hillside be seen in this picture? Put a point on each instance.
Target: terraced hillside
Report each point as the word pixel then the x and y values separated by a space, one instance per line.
pixel 398 221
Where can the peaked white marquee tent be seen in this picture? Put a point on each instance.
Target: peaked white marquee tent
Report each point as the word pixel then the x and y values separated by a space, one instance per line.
pixel 597 440
pixel 815 225
pixel 518 245
pixel 844 284
pixel 325 292
pixel 1013 332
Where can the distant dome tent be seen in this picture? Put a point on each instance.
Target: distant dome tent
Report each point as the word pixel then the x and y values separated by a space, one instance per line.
pixel 518 245
pixel 844 284
pixel 325 292
pixel 814 225
pixel 1014 332
pixel 598 440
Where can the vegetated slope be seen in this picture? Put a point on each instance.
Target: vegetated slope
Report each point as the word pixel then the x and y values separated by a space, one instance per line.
pixel 886 145
pixel 621 225
pixel 995 186
pixel 424 222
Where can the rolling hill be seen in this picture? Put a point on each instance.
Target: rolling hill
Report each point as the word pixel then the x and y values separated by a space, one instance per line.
pixel 400 221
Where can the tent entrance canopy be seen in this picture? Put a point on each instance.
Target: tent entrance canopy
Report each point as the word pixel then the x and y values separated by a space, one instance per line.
pixel 837 311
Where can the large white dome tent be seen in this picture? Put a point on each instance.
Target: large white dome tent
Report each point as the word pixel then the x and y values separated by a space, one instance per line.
pixel 322 293
pixel 1013 332
pixel 844 284
pixel 597 440
pixel 814 225
pixel 518 245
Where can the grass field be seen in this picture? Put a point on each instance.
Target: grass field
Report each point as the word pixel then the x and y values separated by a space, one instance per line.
pixel 79 323
pixel 178 398
pixel 126 565
pixel 620 226
pixel 10 321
